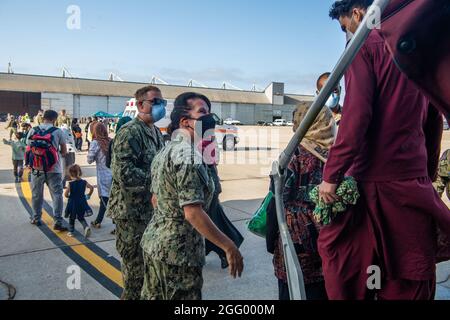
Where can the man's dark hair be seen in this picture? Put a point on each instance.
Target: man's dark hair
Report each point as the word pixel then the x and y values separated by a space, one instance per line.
pixel 344 8
pixel 50 115
pixel 322 76
pixel 140 94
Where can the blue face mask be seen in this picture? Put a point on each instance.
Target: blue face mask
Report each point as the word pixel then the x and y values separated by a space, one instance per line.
pixel 159 111
pixel 333 101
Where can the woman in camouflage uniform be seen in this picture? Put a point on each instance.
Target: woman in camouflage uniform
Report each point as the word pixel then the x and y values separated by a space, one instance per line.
pixel 173 244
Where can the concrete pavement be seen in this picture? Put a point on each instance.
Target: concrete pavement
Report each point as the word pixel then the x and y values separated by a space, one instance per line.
pixel 36 261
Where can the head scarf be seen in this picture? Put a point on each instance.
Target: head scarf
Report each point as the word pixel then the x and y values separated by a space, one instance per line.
pixel 100 134
pixel 123 121
pixel 321 136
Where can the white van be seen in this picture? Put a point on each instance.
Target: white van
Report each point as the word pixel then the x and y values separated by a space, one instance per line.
pixel 280 123
pixel 226 135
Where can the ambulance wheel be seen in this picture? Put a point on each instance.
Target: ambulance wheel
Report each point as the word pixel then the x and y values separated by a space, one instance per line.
pixel 228 143
pixel 166 138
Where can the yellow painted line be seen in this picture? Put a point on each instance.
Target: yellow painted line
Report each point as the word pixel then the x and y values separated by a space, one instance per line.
pixel 92 258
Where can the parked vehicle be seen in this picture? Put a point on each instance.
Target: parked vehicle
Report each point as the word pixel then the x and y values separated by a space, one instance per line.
pixel 280 123
pixel 226 135
pixel 290 123
pixel 231 122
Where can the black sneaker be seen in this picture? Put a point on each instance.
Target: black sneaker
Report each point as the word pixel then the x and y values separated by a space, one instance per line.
pixel 60 228
pixel 36 222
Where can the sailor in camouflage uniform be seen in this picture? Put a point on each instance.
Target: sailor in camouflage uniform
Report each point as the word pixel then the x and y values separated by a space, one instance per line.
pixel 63 119
pixel 442 183
pixel 135 147
pixel 173 244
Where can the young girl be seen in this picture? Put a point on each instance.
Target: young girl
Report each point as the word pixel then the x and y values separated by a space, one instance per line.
pixel 18 154
pixel 77 206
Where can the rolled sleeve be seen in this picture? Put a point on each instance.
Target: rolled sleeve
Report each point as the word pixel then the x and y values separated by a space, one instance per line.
pixel 190 185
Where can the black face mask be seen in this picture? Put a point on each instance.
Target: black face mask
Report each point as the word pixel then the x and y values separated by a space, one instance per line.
pixel 207 122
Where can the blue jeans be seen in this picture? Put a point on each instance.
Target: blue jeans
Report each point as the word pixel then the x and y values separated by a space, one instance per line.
pixel 101 212
pixel 54 183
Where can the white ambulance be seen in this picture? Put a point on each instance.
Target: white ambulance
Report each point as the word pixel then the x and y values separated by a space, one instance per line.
pixel 226 135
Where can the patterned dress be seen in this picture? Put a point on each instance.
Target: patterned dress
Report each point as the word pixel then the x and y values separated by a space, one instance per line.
pixel 304 173
pixel 104 175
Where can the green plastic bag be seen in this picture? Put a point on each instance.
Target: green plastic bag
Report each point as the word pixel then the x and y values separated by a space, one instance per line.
pixel 258 224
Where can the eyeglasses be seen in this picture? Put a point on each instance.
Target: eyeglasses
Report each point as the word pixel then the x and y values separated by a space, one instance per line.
pixel 156 101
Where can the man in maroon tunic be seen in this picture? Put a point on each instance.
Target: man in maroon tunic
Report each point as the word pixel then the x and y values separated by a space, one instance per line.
pixel 389 140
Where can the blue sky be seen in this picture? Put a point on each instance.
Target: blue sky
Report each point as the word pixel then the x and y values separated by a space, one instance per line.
pixel 241 42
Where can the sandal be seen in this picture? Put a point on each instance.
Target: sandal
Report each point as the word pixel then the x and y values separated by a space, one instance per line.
pixel 96 225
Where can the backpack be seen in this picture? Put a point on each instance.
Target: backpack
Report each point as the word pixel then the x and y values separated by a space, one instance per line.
pixel 41 155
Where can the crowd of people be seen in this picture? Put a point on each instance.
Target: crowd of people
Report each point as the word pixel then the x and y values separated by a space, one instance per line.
pixel 164 198
pixel 67 138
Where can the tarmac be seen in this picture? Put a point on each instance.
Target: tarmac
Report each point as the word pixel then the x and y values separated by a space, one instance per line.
pixel 39 263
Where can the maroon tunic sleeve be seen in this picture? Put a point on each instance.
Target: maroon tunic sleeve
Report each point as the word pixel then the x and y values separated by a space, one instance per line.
pixel 356 117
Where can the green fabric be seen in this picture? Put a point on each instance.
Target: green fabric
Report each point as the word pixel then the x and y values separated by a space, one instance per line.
pixel 18 149
pixel 348 194
pixel 258 224
pixel 123 121
pixel 102 114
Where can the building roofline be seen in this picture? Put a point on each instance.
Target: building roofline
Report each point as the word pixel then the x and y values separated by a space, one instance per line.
pixel 127 82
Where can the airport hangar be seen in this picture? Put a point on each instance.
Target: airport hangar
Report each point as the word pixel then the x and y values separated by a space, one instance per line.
pixel 21 93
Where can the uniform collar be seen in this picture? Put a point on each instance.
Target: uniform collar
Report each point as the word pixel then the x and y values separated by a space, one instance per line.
pixel 149 130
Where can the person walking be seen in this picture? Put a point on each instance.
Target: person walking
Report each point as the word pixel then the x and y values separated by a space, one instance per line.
pixel 77 206
pixel 90 130
pixel 77 134
pixel 135 147
pixel 53 177
pixel 123 121
pixel 63 119
pixel 98 152
pixel 38 119
pixel 210 152
pixel 304 172
pixel 18 155
pixel 173 245
pixel 70 158
pixel 86 131
pixel 389 142
pixel 13 126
